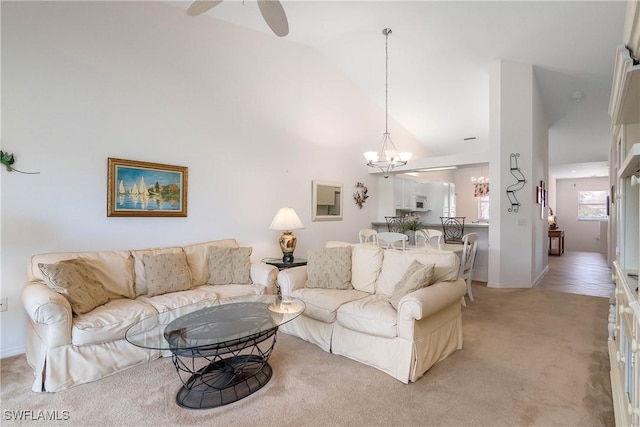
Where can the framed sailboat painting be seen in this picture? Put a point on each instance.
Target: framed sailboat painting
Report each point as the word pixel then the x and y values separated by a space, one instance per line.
pixel 146 189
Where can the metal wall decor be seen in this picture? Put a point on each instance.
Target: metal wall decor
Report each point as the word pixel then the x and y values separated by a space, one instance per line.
pixel 541 198
pixel 519 185
pixel 360 196
pixel 8 159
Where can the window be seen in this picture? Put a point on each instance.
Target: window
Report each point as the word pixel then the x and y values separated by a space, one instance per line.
pixel 483 208
pixel 592 205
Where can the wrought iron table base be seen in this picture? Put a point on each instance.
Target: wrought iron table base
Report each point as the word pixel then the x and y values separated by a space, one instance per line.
pixel 223 380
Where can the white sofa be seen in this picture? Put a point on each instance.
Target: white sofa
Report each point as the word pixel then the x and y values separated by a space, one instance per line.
pixel 361 324
pixel 65 350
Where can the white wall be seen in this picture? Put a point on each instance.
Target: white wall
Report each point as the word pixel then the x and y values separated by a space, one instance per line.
pixel 579 235
pixel 254 117
pixel 517 255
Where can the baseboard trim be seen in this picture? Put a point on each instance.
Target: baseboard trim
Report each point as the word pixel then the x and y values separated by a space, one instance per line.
pixel 12 351
pixel 543 273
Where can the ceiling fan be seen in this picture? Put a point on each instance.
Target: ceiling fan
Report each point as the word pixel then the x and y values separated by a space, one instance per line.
pixel 271 10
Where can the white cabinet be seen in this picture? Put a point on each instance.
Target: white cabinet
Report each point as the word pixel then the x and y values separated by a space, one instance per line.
pixel 403 191
pixel 411 195
pixel 624 316
pixel 421 189
pixel 442 201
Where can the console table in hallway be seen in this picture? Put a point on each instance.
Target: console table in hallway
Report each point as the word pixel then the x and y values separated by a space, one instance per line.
pixel 556 234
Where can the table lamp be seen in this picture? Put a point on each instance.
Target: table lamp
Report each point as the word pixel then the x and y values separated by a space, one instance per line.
pixel 286 220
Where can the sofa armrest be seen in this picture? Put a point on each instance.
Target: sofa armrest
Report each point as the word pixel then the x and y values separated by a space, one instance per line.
pixel 264 274
pixel 426 301
pixel 50 314
pixel 291 279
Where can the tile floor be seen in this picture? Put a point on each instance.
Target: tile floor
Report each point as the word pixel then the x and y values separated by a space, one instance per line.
pixel 585 273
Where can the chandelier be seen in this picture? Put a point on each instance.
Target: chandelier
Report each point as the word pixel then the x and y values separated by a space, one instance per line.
pixel 388 157
pixel 482 179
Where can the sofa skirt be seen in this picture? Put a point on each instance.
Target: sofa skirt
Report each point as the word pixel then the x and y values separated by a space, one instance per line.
pixel 83 363
pixel 311 330
pixel 391 355
pixel 435 338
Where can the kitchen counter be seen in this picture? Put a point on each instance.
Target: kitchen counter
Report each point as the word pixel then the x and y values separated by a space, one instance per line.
pixel 481 264
pixel 376 224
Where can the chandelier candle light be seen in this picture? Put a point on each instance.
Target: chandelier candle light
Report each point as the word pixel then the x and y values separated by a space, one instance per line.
pixel 286 220
pixel 388 157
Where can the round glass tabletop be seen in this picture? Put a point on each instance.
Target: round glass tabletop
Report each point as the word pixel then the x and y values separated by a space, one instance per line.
pixel 212 323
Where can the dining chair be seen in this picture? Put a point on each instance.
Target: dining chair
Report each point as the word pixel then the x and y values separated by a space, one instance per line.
pixel 432 234
pixel 394 223
pixel 452 228
pixel 470 245
pixel 389 240
pixel 368 235
pixel 422 237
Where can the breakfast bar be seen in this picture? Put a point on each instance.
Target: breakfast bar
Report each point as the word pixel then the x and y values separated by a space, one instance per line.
pixel 481 265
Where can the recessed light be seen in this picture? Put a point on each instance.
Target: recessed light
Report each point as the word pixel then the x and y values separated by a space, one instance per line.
pixel 573 171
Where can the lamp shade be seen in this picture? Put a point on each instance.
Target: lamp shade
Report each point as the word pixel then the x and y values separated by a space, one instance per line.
pixel 286 219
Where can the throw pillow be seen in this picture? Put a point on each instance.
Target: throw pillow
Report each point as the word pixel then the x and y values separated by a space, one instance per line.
pixel 416 276
pixel 229 265
pixel 329 268
pixel 166 273
pixel 75 280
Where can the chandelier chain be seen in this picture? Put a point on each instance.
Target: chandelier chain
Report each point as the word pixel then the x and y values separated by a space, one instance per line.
pixel 388 157
pixel 386 31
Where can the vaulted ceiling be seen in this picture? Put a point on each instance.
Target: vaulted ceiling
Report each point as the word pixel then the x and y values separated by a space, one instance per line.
pixel 439 56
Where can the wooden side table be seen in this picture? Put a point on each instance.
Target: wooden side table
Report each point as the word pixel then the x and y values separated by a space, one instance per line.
pixel 556 234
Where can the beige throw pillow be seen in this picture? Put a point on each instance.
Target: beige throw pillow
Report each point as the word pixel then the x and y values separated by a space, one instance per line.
pixel 166 273
pixel 75 280
pixel 416 276
pixel 329 268
pixel 229 265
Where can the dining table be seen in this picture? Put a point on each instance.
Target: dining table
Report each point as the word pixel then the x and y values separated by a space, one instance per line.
pixel 452 247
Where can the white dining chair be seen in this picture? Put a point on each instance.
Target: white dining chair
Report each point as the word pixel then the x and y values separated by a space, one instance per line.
pixel 369 236
pixel 470 245
pixel 422 237
pixel 425 237
pixel 390 239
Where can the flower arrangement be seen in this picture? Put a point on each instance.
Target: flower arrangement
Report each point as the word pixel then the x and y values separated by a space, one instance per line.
pixel 360 196
pixel 411 222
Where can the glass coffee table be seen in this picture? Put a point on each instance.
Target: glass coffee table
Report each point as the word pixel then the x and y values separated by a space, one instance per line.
pixel 220 347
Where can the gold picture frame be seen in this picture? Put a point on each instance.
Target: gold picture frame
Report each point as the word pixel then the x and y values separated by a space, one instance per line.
pixel 146 189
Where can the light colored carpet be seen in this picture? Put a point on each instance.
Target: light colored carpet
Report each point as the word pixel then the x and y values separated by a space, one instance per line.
pixel 530 357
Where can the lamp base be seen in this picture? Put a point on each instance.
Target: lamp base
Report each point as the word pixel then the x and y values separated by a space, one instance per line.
pixel 287 243
pixel 287 258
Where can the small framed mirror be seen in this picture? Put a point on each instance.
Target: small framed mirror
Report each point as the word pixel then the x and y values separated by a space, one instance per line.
pixel 327 201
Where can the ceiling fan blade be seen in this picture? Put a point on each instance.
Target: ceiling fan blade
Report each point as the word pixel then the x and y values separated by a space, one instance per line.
pixel 273 14
pixel 201 6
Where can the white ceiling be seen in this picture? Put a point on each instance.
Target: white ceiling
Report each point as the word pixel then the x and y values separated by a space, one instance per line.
pixel 439 56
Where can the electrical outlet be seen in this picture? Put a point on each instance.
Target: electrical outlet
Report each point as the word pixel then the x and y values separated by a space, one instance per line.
pixel 3 304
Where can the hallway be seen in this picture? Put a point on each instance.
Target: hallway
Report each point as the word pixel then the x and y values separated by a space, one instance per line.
pixel 584 273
